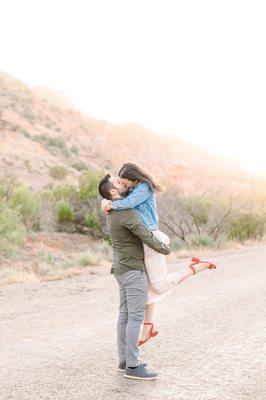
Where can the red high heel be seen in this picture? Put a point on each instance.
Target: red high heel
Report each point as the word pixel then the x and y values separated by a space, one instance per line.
pixel 197 261
pixel 152 333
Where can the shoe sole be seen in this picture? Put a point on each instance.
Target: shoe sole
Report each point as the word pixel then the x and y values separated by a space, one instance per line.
pixel 139 378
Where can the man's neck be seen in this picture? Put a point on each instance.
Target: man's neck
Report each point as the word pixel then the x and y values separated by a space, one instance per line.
pixel 117 197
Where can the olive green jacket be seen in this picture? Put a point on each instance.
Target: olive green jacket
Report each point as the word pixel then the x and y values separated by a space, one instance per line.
pixel 127 233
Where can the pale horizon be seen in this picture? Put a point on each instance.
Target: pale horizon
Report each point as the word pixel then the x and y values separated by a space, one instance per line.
pixel 191 70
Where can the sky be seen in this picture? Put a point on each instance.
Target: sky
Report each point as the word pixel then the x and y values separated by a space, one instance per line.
pixel 194 69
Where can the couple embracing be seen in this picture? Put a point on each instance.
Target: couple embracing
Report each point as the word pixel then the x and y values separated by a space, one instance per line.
pixel 138 263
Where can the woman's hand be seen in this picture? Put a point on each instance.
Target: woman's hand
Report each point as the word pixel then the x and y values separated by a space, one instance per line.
pixel 106 205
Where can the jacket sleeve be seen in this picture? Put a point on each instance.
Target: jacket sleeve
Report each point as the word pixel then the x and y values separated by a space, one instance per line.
pixel 137 196
pixel 133 222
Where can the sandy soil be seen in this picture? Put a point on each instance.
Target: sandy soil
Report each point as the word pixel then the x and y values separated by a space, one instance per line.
pixel 58 339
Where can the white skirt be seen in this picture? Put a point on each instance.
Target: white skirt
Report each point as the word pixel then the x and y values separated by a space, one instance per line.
pixel 160 283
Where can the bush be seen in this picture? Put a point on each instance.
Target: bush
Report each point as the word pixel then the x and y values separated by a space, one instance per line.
pixel 48 125
pixel 80 165
pixel 74 149
pixel 29 114
pixel 28 165
pixel 92 220
pixel 25 133
pixel 57 142
pixel 103 248
pixel 98 254
pixel 39 138
pixel 58 172
pixel 85 260
pixel 12 230
pixel 63 192
pixel 88 184
pixel 202 241
pixel 66 152
pixel 107 239
pixel 246 226
pixel 27 205
pixel 177 244
pixel 7 187
pixel 65 213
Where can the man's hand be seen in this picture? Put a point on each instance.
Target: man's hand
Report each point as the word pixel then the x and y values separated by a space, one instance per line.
pixel 106 206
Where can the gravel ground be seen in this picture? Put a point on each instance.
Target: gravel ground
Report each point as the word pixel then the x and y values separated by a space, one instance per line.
pixel 58 339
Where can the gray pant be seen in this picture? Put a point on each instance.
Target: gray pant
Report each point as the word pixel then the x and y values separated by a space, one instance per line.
pixel 133 286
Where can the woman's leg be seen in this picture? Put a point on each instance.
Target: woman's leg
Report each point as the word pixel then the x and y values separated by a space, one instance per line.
pixel 149 311
pixel 177 278
pixel 164 283
pixel 148 318
pixel 159 280
pixel 187 272
pixel 153 258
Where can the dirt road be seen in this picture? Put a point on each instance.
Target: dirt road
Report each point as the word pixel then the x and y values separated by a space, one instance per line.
pixel 58 339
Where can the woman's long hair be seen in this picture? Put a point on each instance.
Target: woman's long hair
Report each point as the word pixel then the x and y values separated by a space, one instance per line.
pixel 133 172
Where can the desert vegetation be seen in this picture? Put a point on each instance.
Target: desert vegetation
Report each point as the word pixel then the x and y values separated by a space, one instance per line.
pixel 64 209
pixel 52 157
pixel 208 218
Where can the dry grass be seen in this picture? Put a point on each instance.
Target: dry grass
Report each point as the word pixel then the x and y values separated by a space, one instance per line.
pixel 47 257
pixel 14 275
pixel 211 251
pixel 53 262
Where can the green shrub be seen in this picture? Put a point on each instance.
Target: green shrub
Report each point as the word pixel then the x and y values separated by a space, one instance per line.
pixel 85 260
pixel 25 133
pixel 102 248
pixel 107 239
pixel 53 151
pixel 88 184
pixel 58 172
pixel 92 220
pixel 65 213
pixel 57 142
pixel 246 226
pixel 8 185
pixel 80 166
pixel 39 138
pixel 27 205
pixel 28 165
pixel 29 114
pixel 66 152
pixel 48 125
pixel 177 244
pixel 74 149
pixel 202 241
pixel 63 192
pixel 12 230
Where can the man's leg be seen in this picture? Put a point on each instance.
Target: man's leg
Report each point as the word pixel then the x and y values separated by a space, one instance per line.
pixel 136 286
pixel 122 322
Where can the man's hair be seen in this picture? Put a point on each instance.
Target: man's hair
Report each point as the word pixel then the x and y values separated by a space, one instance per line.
pixel 105 186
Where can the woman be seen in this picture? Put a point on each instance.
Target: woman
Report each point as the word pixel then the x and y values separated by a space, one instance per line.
pixel 142 197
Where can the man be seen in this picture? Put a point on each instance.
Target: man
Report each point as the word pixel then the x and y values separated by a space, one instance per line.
pixel 127 234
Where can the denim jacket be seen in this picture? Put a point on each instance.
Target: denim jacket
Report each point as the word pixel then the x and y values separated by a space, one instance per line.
pixel 143 200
